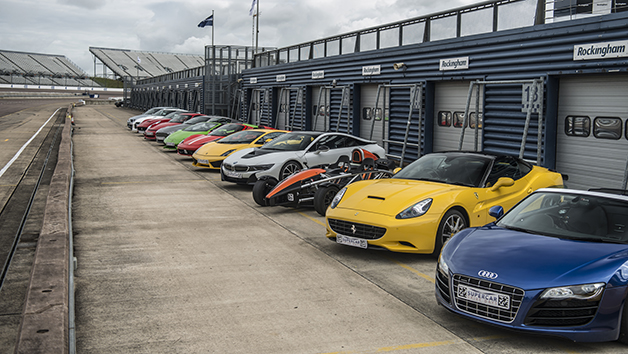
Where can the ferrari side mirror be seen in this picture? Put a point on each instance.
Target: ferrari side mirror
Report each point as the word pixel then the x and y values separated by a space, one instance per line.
pixel 502 182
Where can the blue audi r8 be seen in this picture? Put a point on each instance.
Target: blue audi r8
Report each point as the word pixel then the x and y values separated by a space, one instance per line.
pixel 555 264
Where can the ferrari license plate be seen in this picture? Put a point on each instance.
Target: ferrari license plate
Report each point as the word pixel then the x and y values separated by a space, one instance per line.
pixel 204 162
pixel 484 297
pixel 351 241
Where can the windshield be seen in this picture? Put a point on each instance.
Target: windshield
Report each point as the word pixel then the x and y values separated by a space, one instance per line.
pixel 570 215
pixel 176 117
pixel 459 169
pixel 243 137
pixel 197 119
pixel 290 142
pixel 227 129
pixel 201 127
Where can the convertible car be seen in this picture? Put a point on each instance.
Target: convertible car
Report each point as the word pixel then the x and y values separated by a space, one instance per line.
pixel 556 264
pixel 290 153
pixel 430 200
pixel 190 144
pixel 211 155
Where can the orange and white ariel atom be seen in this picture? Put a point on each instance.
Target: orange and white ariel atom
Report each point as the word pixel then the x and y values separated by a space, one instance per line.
pixel 318 185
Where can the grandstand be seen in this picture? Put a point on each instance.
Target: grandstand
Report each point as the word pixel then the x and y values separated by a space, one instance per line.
pixel 143 64
pixel 41 69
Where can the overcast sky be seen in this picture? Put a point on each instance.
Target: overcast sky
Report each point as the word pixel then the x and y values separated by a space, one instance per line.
pixel 70 27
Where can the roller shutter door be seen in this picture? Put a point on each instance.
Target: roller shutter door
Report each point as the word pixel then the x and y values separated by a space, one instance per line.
pixel 377 122
pixel 451 99
pixel 591 144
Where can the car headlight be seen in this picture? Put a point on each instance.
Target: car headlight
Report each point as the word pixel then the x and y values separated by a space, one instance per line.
pixel 226 153
pixel 580 292
pixel 442 266
pixel 415 210
pixel 261 167
pixel 338 198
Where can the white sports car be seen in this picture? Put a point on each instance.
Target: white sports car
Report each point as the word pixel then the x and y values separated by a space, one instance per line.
pixel 290 153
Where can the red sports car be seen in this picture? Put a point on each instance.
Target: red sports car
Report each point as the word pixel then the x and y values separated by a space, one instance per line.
pixel 178 118
pixel 190 144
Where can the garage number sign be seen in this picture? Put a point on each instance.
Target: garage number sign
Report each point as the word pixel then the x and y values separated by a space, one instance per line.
pixel 531 95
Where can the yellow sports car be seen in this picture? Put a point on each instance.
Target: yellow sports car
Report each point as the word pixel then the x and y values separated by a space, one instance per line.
pixel 211 154
pixel 430 200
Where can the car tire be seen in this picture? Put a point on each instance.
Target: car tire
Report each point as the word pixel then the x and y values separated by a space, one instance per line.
pixel 452 222
pixel 323 197
pixel 261 189
pixel 288 169
pixel 623 329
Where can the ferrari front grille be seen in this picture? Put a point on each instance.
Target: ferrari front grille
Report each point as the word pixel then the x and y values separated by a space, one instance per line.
pixel 215 164
pixel 561 313
pixel 514 295
pixel 353 229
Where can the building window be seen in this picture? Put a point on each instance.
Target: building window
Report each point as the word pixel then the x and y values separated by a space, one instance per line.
pixel 473 119
pixel 458 119
pixel 578 126
pixel 444 119
pixel 367 113
pixel 607 128
pixel 378 114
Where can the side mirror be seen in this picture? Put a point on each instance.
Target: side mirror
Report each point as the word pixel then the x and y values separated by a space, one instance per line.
pixel 396 170
pixel 496 211
pixel 322 148
pixel 502 182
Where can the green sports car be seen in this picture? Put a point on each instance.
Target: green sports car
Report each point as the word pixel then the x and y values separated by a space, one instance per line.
pixel 200 128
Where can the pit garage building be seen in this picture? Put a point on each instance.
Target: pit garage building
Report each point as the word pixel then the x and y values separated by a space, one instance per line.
pixel 544 80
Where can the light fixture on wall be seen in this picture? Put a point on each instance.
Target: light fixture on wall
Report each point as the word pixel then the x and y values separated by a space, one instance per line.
pixel 334 83
pixel 399 66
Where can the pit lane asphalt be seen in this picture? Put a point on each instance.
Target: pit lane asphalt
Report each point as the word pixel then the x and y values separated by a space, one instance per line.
pixel 173 260
pixel 169 261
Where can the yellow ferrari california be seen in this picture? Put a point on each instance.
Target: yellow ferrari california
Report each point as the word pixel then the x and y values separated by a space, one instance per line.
pixel 428 201
pixel 211 154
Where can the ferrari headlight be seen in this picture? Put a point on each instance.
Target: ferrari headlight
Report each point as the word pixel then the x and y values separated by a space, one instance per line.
pixel 226 153
pixel 580 292
pixel 338 198
pixel 415 210
pixel 261 167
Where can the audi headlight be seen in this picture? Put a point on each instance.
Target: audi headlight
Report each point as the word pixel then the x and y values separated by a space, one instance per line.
pixel 442 266
pixel 580 292
pixel 261 167
pixel 226 153
pixel 415 210
pixel 338 198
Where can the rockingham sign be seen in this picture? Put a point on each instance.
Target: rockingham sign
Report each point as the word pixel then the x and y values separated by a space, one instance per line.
pixel 454 64
pixel 601 50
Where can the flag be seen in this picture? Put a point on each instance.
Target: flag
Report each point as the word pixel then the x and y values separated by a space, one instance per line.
pixel 252 8
pixel 207 22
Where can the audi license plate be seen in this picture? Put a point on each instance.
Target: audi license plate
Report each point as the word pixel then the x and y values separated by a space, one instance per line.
pixel 484 297
pixel 351 241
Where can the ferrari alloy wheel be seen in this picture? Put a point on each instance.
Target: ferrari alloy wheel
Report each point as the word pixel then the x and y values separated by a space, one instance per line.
pixel 323 197
pixel 261 189
pixel 452 223
pixel 291 167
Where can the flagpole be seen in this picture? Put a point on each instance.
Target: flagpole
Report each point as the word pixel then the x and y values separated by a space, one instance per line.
pixel 213 19
pixel 257 28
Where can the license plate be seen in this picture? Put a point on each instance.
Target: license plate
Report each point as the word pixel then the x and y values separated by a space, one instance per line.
pixel 233 174
pixel 204 162
pixel 484 297
pixel 170 144
pixel 351 241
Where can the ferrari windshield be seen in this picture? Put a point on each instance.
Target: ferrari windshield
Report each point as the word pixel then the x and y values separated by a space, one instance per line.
pixel 243 137
pixel 201 127
pixel 581 216
pixel 451 168
pixel 290 142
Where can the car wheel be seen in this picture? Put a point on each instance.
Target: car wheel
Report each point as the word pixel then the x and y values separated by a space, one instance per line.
pixel 288 169
pixel 261 189
pixel 450 224
pixel 623 329
pixel 323 197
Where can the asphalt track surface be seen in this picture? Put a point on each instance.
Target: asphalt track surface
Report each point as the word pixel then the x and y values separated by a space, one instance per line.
pixel 173 260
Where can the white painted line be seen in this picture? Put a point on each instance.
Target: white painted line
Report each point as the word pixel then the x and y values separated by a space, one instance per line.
pixel 6 167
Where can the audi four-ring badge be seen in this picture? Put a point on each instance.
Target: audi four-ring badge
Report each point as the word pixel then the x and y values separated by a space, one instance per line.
pixel 554 264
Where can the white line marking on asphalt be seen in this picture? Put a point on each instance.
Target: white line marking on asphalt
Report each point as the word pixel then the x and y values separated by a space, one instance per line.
pixel 6 167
